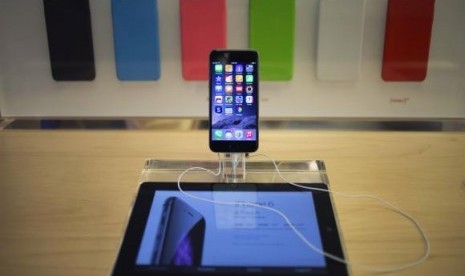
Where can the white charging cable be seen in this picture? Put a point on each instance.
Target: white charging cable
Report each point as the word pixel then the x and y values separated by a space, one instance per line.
pixel 301 236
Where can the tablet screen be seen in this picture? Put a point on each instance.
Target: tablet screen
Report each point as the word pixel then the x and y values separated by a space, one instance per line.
pixel 183 234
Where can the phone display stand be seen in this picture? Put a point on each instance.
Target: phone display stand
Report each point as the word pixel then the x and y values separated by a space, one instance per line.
pixel 251 171
pixel 233 167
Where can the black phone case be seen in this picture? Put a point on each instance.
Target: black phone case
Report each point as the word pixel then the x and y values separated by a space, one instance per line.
pixel 70 42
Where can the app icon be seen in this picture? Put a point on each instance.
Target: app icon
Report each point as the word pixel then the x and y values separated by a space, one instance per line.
pixel 228 99
pixel 239 88
pixel 218 99
pixel 239 68
pixel 249 89
pixel 249 99
pixel 218 88
pixel 218 134
pixel 239 109
pixel 249 78
pixel 239 134
pixel 228 110
pixel 228 68
pixel 218 109
pixel 228 89
pixel 248 134
pixel 239 78
pixel 239 99
pixel 228 134
pixel 218 78
pixel 218 68
pixel 228 78
pixel 249 68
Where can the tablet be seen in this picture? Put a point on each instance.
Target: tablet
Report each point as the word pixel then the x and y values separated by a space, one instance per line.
pixel 170 232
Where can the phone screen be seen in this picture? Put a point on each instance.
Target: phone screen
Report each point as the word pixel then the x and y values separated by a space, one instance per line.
pixel 233 101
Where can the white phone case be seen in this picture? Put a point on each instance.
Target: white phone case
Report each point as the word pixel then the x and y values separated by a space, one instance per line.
pixel 340 35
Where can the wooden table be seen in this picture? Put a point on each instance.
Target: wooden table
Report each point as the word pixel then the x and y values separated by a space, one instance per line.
pixel 65 195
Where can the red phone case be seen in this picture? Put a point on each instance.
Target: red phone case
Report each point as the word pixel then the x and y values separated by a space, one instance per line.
pixel 407 40
pixel 203 28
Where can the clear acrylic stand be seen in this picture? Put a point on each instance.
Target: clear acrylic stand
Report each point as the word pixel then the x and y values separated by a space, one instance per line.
pixel 234 167
pixel 251 171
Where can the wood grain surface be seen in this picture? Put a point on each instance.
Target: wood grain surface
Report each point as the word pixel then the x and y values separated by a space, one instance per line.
pixel 65 195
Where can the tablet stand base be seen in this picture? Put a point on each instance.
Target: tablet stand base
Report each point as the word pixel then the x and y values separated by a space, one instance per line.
pixel 256 171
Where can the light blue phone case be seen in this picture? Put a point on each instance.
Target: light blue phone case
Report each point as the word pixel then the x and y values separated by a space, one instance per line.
pixel 135 34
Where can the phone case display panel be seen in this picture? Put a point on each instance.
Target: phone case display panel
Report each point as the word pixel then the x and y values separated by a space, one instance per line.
pixel 135 32
pixel 271 33
pixel 296 46
pixel 69 34
pixel 340 37
pixel 407 39
pixel 203 29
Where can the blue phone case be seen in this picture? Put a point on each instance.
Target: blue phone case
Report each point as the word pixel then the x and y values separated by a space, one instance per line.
pixel 135 34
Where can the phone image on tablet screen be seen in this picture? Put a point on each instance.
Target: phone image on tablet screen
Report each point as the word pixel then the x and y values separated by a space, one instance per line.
pixel 233 101
pixel 180 235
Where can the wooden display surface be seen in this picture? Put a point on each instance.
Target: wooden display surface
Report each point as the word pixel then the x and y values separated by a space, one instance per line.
pixel 65 195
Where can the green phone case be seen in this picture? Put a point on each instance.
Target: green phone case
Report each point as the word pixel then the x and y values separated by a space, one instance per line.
pixel 271 33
